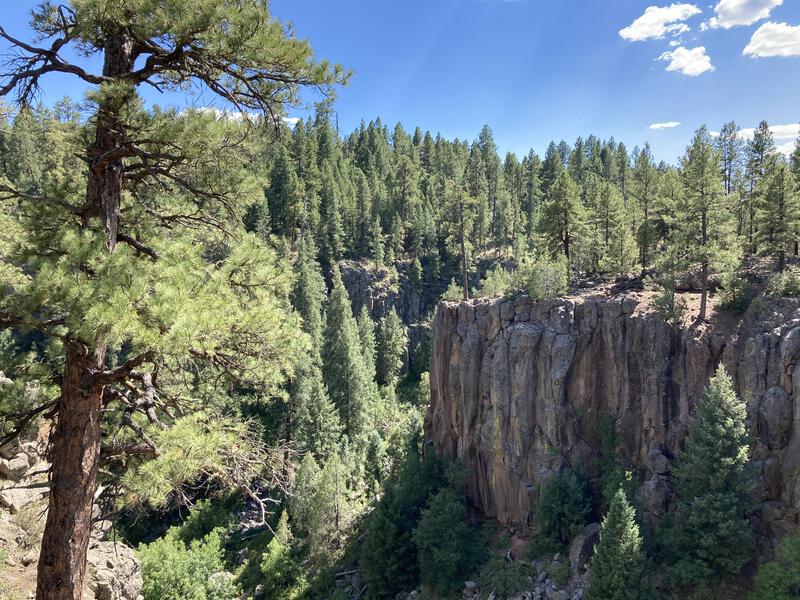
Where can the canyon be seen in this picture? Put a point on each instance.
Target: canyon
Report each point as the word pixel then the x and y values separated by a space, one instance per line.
pixel 519 389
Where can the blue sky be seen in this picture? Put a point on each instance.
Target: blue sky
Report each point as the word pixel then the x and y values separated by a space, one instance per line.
pixel 536 70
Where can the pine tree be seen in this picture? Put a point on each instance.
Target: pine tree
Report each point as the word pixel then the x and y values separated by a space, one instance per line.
pixel 126 277
pixel 366 335
pixel 391 349
pixel 714 487
pixel 277 567
pixel 343 363
pixel 778 213
pixel 618 244
pixel 285 196
pixel 643 183
pixel 318 427
pixel 563 217
pixel 309 289
pixel 704 226
pixel 618 567
pixel 760 152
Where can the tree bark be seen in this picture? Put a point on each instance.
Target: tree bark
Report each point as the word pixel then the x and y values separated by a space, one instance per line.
pixel 76 459
pixel 77 438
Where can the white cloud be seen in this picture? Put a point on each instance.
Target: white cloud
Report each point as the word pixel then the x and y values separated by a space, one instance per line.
pixel 731 13
pixel 786 149
pixel 779 132
pixel 674 43
pixel 689 61
pixel 657 21
pixel 291 121
pixel 774 39
pixel 667 125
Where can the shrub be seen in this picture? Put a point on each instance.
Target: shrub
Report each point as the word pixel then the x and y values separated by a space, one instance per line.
pixel 497 282
pixel 544 277
pixel 564 506
pixel 171 570
pixel 669 306
pixel 735 293
pixel 454 292
pixel 786 284
pixel 780 578
pixel 447 547
pixel 504 578
pixel 559 573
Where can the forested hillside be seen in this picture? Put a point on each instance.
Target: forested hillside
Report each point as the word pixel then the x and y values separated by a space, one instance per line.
pixel 174 311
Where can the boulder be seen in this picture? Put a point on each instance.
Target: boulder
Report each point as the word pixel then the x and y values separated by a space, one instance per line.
pixel 17 498
pixel 580 551
pixel 14 468
pixel 112 573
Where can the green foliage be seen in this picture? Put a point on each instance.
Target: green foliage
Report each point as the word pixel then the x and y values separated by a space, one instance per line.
pixel 389 556
pixel 779 579
pixel 453 293
pixel 278 568
pixel 559 573
pixel 543 278
pixel 564 506
pixel 503 577
pixel 612 475
pixel 619 567
pixel 736 293
pixel 497 282
pixel 392 344
pixel 448 548
pixel 712 538
pixel 344 368
pixel 197 446
pixel 172 570
pixel 785 284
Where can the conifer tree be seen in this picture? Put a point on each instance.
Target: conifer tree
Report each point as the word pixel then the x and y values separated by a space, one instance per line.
pixel 125 281
pixel 366 335
pixel 643 183
pixel 779 579
pixel 318 426
pixel 704 227
pixel 760 152
pixel 619 245
pixel 563 217
pixel 714 487
pixel 343 363
pixel 618 567
pixel 391 348
pixel 778 213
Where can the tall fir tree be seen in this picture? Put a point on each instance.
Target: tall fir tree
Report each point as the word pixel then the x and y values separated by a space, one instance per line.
pixel 619 566
pixel 714 488
pixel 345 373
pixel 391 348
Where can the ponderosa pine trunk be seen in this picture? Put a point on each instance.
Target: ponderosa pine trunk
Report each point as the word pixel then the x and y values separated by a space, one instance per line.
pixel 76 459
pixel 77 437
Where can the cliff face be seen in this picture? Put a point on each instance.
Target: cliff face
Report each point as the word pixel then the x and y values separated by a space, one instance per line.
pixel 518 389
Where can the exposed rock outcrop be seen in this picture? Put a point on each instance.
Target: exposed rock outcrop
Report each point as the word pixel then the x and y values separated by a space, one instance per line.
pixel 112 572
pixel 518 389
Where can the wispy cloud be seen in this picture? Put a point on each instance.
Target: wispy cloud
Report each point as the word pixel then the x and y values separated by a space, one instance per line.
pixel 731 13
pixel 689 61
pixel 667 125
pixel 658 21
pixel 774 39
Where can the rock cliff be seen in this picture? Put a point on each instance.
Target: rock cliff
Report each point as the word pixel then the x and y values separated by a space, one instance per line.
pixel 518 389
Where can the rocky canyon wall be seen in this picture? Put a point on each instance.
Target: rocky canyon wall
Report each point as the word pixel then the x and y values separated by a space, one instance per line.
pixel 518 389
